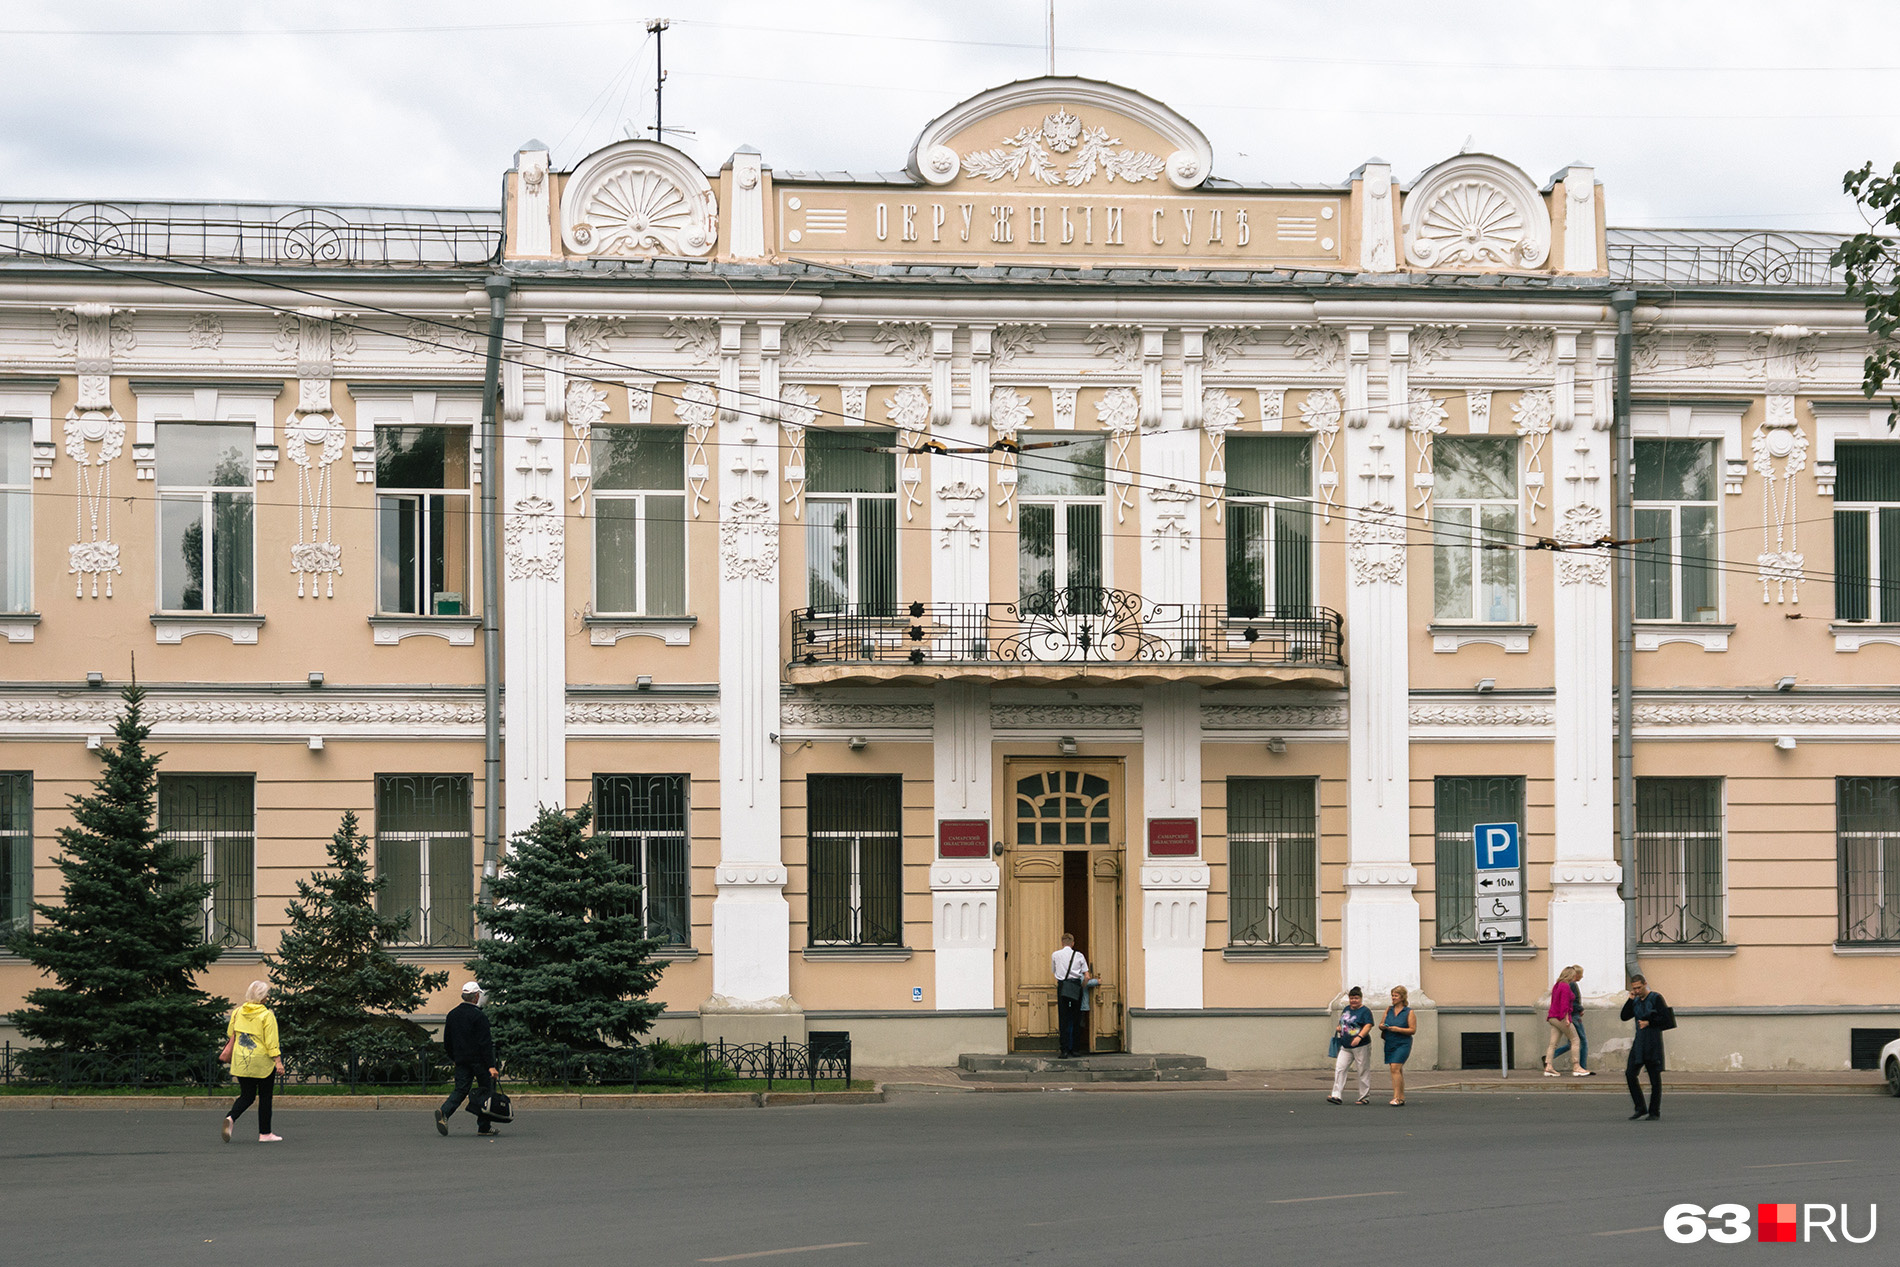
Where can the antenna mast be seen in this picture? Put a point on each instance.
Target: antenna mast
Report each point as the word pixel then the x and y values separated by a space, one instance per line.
pixel 654 28
pixel 1052 37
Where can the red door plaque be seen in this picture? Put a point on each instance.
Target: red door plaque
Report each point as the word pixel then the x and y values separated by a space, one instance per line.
pixel 963 838
pixel 1173 837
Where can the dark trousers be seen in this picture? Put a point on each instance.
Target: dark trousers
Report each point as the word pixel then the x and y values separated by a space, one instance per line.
pixel 257 1089
pixel 1075 1027
pixel 1650 1057
pixel 483 1083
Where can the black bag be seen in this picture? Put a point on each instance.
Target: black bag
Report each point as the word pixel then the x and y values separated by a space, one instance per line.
pixel 500 1107
pixel 1665 1018
pixel 1069 989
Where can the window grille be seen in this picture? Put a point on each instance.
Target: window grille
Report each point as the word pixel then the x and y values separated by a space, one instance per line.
pixel 1676 510
pixel 642 819
pixel 640 520
pixel 851 524
pixel 1272 862
pixel 205 516
pixel 422 520
pixel 1867 532
pixel 1458 805
pixel 212 819
pixel 1867 842
pixel 1269 525
pixel 1474 528
pixel 1679 887
pixel 425 849
pixel 16 515
pixel 856 848
pixel 16 852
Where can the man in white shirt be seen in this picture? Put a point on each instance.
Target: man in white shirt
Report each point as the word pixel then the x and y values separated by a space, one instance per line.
pixel 1070 966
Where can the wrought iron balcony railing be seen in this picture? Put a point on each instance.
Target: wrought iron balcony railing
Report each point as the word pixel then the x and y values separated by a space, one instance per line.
pixel 1755 259
pixel 245 234
pixel 1071 626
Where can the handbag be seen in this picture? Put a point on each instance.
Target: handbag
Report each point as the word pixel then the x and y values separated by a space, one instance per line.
pixel 224 1053
pixel 500 1107
pixel 1069 989
pixel 1664 1019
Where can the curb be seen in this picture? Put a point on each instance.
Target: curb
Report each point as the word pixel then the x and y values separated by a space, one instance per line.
pixel 541 1102
pixel 1453 1088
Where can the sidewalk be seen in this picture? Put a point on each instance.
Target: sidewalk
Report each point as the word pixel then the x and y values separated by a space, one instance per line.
pixel 1320 1081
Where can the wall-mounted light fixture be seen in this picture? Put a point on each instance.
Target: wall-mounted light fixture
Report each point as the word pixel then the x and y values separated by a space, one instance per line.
pixel 643 683
pixel 316 679
pixel 1785 743
pixel 1486 684
pixel 95 679
pixel 859 743
pixel 1786 683
pixel 1067 746
pixel 1276 745
pixel 316 743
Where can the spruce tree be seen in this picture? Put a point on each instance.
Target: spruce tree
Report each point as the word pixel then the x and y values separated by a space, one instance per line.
pixel 336 989
pixel 565 957
pixel 126 943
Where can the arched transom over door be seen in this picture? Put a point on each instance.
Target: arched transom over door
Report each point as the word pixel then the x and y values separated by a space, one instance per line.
pixel 1064 807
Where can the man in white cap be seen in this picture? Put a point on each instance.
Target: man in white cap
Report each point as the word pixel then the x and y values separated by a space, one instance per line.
pixel 471 1046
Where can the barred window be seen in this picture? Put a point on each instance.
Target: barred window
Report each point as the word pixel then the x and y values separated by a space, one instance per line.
pixel 642 820
pixel 212 819
pixel 1269 525
pixel 1679 861
pixel 640 520
pixel 1272 862
pixel 425 850
pixel 856 850
pixel 1458 805
pixel 16 852
pixel 851 525
pixel 1867 841
pixel 1867 531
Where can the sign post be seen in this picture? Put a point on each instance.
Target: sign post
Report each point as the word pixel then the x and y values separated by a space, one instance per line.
pixel 1500 907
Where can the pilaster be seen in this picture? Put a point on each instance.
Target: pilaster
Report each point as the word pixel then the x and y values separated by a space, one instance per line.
pixel 963 891
pixel 1173 890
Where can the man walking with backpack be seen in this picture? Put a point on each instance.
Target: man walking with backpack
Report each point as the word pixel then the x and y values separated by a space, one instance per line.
pixel 471 1046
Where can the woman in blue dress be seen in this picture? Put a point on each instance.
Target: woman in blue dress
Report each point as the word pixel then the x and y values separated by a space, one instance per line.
pixel 1397 1029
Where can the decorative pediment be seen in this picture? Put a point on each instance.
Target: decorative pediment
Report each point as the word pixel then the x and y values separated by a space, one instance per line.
pixel 639 198
pixel 1062 132
pixel 1476 212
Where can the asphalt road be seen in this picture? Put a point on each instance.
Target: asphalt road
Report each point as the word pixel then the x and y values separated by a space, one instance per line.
pixel 1042 1178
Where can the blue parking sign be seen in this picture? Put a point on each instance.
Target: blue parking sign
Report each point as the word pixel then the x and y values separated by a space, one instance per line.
pixel 1496 846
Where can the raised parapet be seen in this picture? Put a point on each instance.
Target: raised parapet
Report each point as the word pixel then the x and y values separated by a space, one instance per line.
pixel 638 199
pixel 1476 213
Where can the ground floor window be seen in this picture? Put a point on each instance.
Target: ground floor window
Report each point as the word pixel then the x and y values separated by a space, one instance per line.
pixel 1867 843
pixel 16 852
pixel 856 849
pixel 1679 861
pixel 642 820
pixel 212 818
pixel 1460 803
pixel 425 850
pixel 1272 862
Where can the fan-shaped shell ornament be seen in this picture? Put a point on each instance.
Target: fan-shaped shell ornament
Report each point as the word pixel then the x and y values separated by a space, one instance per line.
pixel 635 211
pixel 1473 222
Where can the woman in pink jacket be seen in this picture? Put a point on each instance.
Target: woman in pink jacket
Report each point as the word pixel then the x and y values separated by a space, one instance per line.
pixel 1563 1002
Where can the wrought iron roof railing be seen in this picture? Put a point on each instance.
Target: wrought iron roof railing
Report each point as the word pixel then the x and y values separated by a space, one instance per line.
pixel 303 236
pixel 1083 625
pixel 1755 259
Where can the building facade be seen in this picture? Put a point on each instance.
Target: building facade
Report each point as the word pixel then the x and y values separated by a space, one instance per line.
pixel 1047 536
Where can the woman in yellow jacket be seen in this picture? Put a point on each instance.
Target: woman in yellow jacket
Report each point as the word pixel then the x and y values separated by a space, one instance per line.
pixel 255 1060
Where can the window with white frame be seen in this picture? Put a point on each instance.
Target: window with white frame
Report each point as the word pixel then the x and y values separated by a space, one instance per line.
pixel 640 520
pixel 16 514
pixel 1679 890
pixel 851 520
pixel 16 851
pixel 1867 531
pixel 855 861
pixel 1474 528
pixel 212 819
pixel 1675 558
pixel 1272 862
pixel 425 854
pixel 1269 525
pixel 206 532
pixel 422 520
pixel 1061 495
pixel 642 820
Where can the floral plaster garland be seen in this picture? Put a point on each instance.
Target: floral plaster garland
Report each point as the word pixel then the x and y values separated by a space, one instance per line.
pixel 1009 414
pixel 1120 414
pixel 798 409
pixel 697 407
pixel 94 553
pixel 316 556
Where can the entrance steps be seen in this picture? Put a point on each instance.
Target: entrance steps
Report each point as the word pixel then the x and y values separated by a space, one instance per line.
pixel 1035 1067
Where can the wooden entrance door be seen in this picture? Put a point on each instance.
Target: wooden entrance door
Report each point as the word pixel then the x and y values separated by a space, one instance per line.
pixel 1064 875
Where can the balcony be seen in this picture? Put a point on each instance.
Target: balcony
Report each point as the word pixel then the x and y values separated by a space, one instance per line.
pixel 1091 637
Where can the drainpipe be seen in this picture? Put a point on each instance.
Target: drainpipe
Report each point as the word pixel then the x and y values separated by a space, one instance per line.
pixel 491 588
pixel 1624 531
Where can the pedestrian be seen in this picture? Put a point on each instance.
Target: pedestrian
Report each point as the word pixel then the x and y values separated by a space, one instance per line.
pixel 1579 1063
pixel 1563 1001
pixel 251 1047
pixel 1071 969
pixel 470 1045
pixel 1397 1029
pixel 1652 1016
pixel 1088 1001
pixel 1351 1049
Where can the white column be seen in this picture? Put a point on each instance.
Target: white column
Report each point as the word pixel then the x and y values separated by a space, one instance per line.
pixel 1169 504
pixel 1586 912
pixel 1173 890
pixel 751 921
pixel 1381 914
pixel 532 468
pixel 963 890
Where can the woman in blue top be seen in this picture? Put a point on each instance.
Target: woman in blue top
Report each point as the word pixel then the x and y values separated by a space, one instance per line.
pixel 1397 1029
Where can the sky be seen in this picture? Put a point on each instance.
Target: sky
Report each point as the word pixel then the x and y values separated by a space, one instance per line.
pixel 1695 113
